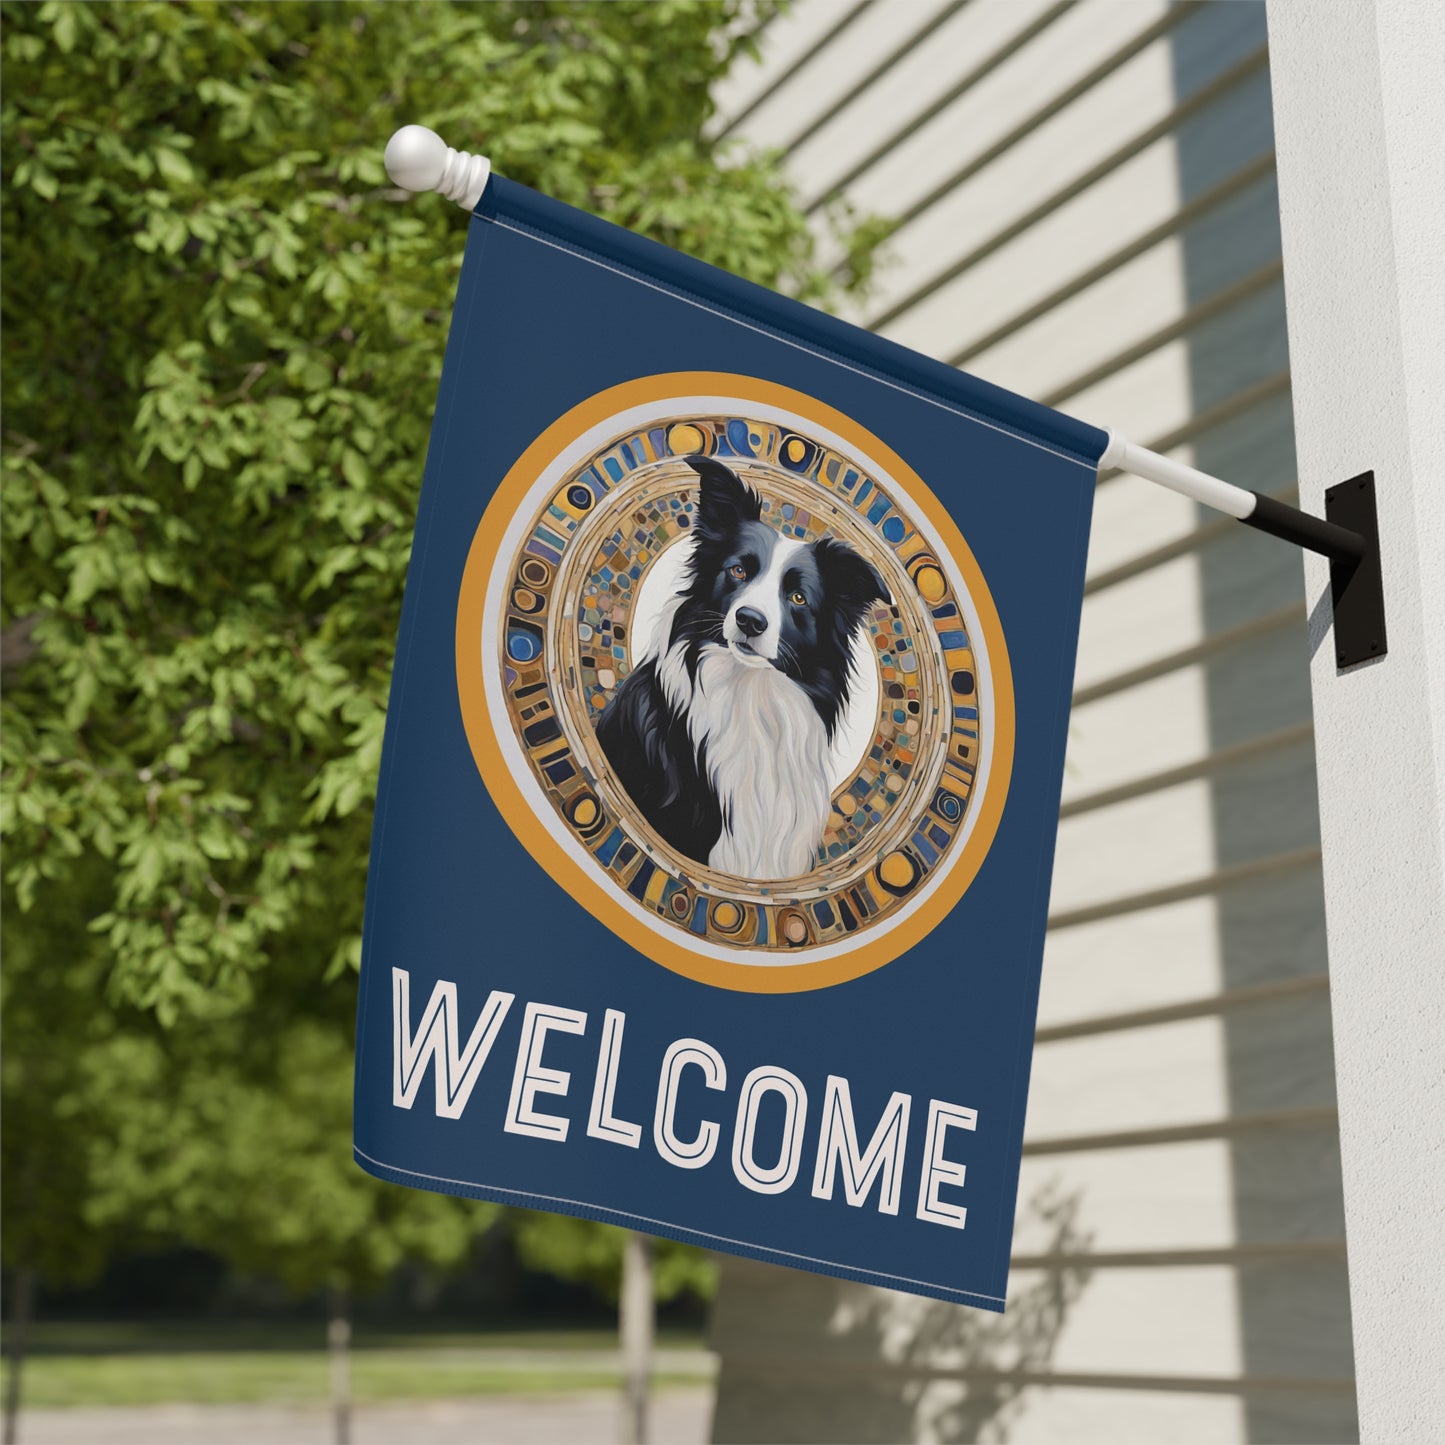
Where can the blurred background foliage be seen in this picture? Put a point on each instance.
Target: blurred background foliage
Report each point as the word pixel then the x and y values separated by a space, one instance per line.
pixel 223 331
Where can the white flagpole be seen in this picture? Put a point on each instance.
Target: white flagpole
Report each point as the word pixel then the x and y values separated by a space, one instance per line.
pixel 1124 455
pixel 1252 508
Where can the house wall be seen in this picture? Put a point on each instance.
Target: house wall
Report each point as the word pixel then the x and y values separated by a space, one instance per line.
pixel 1089 215
pixel 1360 113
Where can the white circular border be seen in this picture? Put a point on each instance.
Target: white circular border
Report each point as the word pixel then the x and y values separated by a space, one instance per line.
pixel 638 418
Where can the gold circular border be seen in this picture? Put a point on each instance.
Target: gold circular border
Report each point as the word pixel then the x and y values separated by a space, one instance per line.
pixel 594 895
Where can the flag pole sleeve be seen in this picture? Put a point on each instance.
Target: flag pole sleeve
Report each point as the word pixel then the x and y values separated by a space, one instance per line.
pixel 418 159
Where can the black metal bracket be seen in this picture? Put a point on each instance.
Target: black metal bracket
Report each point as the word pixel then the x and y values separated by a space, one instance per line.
pixel 1349 535
pixel 1357 589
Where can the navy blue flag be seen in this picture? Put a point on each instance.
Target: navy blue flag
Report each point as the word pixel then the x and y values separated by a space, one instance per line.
pixel 722 768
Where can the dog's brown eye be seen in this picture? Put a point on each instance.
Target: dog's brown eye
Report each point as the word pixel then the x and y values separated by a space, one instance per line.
pixel 737 572
pixel 797 599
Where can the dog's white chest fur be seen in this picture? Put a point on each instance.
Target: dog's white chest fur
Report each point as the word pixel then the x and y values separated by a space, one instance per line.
pixel 766 756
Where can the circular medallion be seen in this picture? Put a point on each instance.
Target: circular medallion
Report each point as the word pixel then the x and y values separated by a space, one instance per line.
pixel 733 677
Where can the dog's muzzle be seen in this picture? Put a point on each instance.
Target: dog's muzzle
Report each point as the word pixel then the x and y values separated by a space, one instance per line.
pixel 746 632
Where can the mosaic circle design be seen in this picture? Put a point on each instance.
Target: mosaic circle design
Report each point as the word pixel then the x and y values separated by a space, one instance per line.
pixel 566 643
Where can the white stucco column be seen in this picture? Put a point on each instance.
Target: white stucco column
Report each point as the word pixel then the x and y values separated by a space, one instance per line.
pixel 1360 123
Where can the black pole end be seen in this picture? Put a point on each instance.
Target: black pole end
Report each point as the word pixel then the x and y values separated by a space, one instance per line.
pixel 1315 534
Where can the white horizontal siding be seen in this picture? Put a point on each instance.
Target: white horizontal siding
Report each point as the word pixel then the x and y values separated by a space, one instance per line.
pixel 1091 1417
pixel 911 88
pixel 1137 1079
pixel 788 40
pixel 810 88
pixel 997 197
pixel 1098 319
pixel 1175 1204
pixel 1153 841
pixel 1149 959
pixel 1133 517
pixel 1140 621
pixel 1122 736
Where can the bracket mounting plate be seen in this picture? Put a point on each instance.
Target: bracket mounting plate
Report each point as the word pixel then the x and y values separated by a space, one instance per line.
pixel 1357 586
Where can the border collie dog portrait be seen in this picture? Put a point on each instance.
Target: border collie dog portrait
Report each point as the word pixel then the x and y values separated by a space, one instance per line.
pixel 721 736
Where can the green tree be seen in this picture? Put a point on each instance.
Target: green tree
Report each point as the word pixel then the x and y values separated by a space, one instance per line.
pixel 591 1253
pixel 47 989
pixel 121 1133
pixel 223 331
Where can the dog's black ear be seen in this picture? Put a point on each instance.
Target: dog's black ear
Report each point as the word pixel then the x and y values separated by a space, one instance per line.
pixel 850 577
pixel 723 498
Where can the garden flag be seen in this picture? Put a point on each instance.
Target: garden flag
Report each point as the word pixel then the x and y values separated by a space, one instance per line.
pixel 722 768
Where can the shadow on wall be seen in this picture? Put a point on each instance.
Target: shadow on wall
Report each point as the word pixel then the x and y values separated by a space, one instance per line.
pixel 1292 1295
pixel 915 1369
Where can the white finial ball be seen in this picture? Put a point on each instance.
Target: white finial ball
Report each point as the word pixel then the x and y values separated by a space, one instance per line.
pixel 415 158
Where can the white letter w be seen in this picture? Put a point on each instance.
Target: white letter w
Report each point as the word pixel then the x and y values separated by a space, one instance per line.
pixel 438 1037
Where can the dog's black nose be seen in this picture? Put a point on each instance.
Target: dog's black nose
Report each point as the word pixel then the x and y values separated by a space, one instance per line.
pixel 751 622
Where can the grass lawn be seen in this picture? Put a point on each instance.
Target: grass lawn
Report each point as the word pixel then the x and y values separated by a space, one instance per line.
pixel 164 1336
pixel 122 1365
